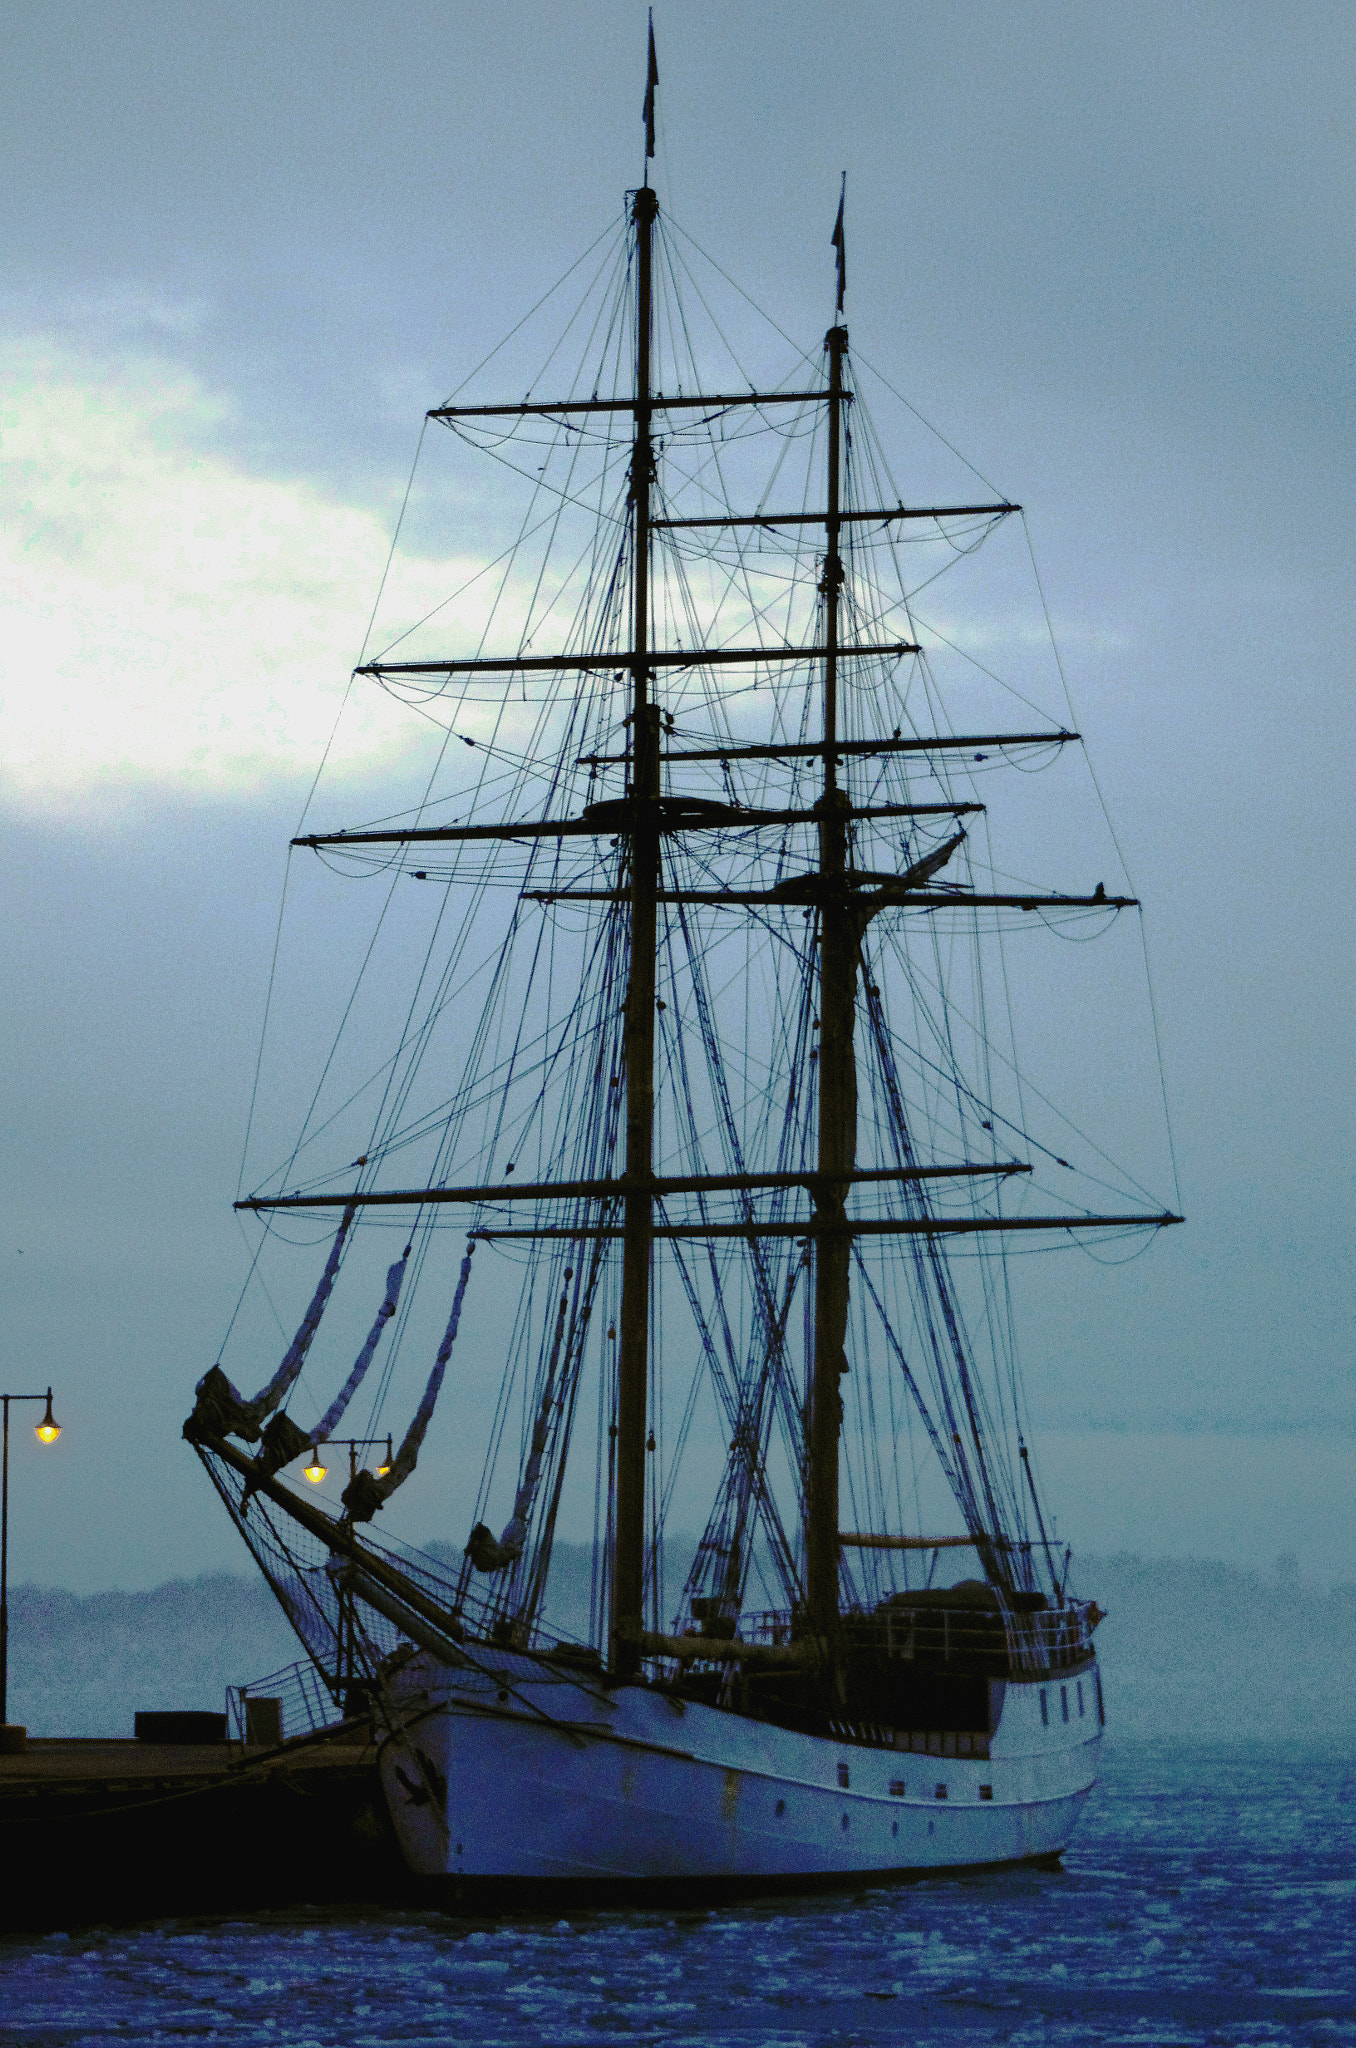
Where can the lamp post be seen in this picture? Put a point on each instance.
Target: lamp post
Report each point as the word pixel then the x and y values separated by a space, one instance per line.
pixel 315 1471
pixel 47 1431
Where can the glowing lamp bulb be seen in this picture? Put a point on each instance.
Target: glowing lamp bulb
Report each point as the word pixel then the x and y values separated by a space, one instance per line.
pixel 49 1429
pixel 384 1464
pixel 316 1470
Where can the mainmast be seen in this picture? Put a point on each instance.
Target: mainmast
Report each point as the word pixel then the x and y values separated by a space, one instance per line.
pixel 628 1579
pixel 838 946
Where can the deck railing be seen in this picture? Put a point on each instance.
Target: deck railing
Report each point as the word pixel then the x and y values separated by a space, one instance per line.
pixel 957 1637
pixel 304 1705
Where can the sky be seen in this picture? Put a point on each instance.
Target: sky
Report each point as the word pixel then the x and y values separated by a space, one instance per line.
pixel 1107 252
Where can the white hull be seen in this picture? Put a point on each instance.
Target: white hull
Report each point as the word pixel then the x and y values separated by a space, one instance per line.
pixel 514 1773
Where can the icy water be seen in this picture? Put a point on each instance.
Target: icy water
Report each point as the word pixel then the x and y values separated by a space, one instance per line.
pixel 1209 1897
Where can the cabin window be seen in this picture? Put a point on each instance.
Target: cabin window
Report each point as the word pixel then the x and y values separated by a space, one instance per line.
pixel 986 1791
pixel 896 1788
pixel 1080 1699
pixel 1045 1709
pixel 844 1776
pixel 941 1791
pixel 1064 1701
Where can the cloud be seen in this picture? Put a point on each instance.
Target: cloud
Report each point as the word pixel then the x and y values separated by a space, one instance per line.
pixel 170 619
pixel 177 620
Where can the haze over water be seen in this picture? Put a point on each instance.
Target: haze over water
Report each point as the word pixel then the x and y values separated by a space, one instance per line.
pixel 1208 1898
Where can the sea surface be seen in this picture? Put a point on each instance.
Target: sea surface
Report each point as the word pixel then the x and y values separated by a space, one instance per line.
pixel 1209 1896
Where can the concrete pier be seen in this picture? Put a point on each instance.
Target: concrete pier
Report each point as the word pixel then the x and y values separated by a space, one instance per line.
pixel 106 1831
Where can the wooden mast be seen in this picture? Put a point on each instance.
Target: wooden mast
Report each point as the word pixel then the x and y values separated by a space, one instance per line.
pixel 838 946
pixel 628 1578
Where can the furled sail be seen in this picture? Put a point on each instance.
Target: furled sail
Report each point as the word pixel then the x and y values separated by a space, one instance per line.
pixel 365 1494
pixel 334 1414
pixel 222 1410
pixel 283 1439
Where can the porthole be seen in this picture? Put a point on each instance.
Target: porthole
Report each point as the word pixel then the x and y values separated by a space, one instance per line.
pixel 845 1823
pixel 894 1827
pixel 781 1808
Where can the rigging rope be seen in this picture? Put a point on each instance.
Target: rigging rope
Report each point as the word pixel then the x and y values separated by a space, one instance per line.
pixel 485 1553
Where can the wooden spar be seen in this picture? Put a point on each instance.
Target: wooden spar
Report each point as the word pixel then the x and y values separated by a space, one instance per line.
pixel 849 1541
pixel 838 952
pixel 877 516
pixel 654 402
pixel 436 1641
pixel 815 1226
pixel 675 815
pixel 336 1535
pixel 628 1576
pixel 932 743
pixel 681 657
pixel 786 896
pixel 613 1190
pixel 847 1227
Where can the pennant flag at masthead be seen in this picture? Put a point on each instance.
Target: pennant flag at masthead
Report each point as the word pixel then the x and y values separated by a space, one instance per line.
pixel 651 81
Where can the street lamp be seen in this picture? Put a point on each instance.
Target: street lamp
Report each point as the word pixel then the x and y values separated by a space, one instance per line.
pixel 317 1469
pixel 47 1431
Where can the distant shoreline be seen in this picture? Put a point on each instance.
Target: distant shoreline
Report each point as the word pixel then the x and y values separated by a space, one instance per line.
pixel 1192 1650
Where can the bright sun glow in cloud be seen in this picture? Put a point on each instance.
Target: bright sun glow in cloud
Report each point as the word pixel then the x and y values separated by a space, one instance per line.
pixel 169 619
pixel 175 621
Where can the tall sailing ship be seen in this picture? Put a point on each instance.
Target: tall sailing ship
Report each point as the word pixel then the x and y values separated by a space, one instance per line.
pixel 696 1058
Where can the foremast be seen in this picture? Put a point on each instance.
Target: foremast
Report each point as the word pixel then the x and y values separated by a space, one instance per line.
pixel 628 1577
